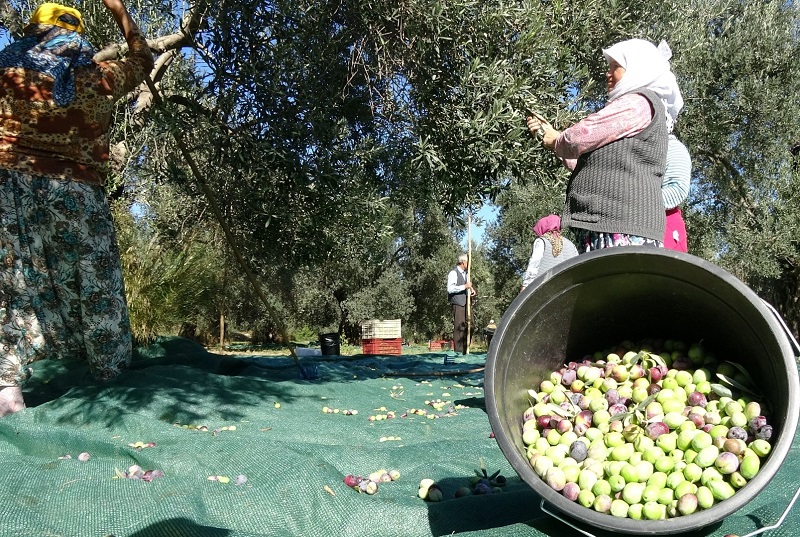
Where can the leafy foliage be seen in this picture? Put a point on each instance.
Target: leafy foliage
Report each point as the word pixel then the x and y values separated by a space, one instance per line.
pixel 347 142
pixel 166 287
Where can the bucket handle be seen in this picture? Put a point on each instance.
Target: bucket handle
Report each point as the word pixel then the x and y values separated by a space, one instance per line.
pixel 568 523
pixel 751 534
pixel 780 520
pixel 792 340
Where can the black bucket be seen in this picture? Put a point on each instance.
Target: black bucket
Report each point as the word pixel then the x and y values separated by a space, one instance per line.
pixel 595 301
pixel 329 344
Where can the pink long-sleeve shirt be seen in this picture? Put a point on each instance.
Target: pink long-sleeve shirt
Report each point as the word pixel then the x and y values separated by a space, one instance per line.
pixel 621 118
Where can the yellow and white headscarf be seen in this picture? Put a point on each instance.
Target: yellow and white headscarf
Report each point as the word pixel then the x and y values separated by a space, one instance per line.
pixel 58 15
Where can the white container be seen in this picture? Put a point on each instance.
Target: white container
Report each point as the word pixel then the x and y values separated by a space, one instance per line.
pixel 375 329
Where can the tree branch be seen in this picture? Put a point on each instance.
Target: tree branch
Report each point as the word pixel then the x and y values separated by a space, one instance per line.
pixel 734 182
pixel 190 24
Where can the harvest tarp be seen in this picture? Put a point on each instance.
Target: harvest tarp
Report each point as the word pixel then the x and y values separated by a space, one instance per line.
pixel 247 451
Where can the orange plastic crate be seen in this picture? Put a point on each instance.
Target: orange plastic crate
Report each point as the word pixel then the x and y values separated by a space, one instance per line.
pixel 382 346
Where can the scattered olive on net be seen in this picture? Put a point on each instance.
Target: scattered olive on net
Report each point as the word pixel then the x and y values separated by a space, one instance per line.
pixel 369 484
pixel 649 431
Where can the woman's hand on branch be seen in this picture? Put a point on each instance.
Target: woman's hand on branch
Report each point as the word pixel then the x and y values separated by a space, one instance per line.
pixel 539 126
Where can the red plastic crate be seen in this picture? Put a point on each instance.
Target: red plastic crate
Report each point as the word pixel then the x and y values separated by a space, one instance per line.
pixel 382 346
pixel 440 345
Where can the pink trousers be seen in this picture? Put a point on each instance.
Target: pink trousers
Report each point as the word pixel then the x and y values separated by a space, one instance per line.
pixel 675 233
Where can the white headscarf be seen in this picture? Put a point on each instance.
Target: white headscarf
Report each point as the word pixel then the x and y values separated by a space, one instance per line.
pixel 646 66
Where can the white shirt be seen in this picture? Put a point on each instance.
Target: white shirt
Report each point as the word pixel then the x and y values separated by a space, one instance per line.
pixel 452 279
pixel 533 264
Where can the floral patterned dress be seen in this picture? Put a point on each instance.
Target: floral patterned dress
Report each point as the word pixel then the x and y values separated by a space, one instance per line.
pixel 61 288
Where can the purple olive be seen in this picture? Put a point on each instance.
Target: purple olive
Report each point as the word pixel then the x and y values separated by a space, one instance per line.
pixel 571 491
pixel 687 504
pixel 737 432
pixel 655 374
pixel 757 423
pixel 482 488
pixel 351 480
pixel 578 451
pixel 568 377
pixel 584 417
pixel 698 399
pixel 697 419
pixel 734 445
pixel 656 429
pixel 653 388
pixel 617 409
pixel 764 433
pixel 543 420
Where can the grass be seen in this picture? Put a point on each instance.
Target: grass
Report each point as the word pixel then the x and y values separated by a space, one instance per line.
pixel 345 349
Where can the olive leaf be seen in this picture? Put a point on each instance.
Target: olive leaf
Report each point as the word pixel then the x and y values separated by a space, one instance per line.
pixel 721 390
pixel 744 373
pixel 641 356
pixel 658 360
pixel 735 384
pixel 646 401
pixel 564 413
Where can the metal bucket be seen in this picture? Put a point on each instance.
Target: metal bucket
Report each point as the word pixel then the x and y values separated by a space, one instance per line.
pixel 597 300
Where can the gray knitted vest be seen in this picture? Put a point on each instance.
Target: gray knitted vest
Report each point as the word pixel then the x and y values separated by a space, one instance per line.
pixel 617 188
pixel 459 298
pixel 568 251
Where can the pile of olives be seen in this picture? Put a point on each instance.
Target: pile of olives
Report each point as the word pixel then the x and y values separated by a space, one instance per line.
pixel 646 435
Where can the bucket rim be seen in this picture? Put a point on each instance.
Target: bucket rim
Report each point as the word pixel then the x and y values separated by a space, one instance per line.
pixel 644 527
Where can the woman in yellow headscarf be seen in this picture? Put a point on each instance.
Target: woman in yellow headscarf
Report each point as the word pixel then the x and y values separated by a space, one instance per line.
pixel 61 288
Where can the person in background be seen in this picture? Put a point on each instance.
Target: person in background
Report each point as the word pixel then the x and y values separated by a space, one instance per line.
pixel 549 248
pixel 458 286
pixel 675 190
pixel 489 331
pixel 618 154
pixel 677 175
pixel 61 288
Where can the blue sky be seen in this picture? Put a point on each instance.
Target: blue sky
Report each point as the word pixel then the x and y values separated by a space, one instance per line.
pixel 487 213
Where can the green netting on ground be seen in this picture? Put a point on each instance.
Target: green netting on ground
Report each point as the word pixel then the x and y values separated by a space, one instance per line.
pixel 289 453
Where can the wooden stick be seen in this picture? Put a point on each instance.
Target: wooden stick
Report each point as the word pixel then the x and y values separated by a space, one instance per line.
pixel 469 279
pixel 226 229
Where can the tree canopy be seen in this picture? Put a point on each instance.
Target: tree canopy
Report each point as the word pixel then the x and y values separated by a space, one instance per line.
pixel 345 143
